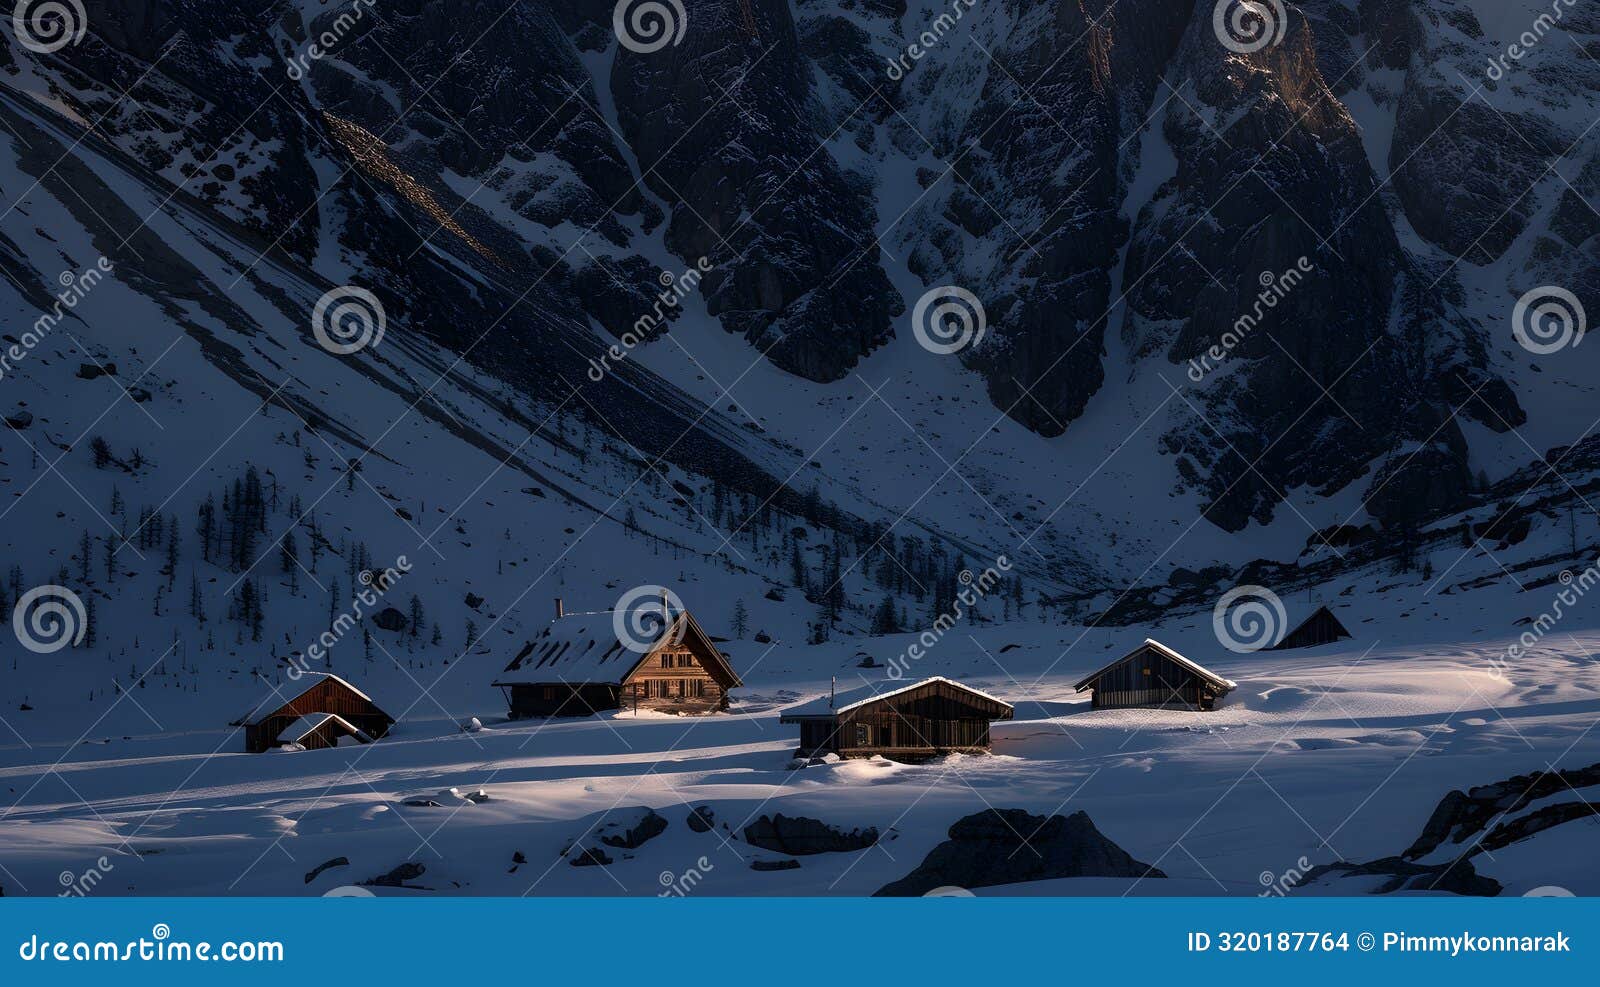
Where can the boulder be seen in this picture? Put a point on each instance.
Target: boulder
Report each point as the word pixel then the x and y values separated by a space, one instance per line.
pixel 311 875
pixel 701 819
pixel 1010 846
pixel 801 836
pixel 19 419
pixel 390 619
pixel 398 877
pixel 1456 877
pixel 638 826
pixel 590 857
pixel 788 864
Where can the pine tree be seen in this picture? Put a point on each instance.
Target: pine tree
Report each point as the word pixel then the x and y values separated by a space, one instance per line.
pixel 206 527
pixel 197 603
pixel 85 556
pixel 416 616
pixel 886 620
pixel 91 622
pixel 171 568
pixel 741 620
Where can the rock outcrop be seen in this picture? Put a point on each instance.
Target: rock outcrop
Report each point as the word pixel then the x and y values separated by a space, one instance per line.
pixel 1011 846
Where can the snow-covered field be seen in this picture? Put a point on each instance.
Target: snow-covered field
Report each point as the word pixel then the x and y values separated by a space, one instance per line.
pixel 1332 753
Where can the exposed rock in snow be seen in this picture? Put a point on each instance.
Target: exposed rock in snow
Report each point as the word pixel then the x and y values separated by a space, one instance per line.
pixel 1010 846
pixel 311 875
pixel 633 829
pixel 801 836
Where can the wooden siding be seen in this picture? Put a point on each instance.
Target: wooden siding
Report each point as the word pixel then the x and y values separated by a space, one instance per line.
pixel 327 696
pixel 938 718
pixel 560 699
pixel 1321 627
pixel 1149 678
pixel 674 680
pixel 327 735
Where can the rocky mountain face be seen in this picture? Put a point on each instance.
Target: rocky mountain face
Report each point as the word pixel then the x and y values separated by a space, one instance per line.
pixel 1282 231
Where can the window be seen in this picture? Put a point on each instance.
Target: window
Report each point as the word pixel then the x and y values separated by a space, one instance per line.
pixel 863 735
pixel 680 688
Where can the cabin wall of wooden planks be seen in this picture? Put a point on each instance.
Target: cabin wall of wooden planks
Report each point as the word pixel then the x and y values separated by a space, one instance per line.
pixel 934 719
pixel 560 699
pixel 1151 679
pixel 673 680
pixel 327 696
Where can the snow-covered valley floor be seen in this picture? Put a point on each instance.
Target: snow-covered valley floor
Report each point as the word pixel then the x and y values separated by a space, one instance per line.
pixel 1332 753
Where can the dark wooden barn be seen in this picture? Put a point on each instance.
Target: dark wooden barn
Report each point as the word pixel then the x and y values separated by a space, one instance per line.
pixel 934 716
pixel 1154 675
pixel 313 692
pixel 319 731
pixel 1322 627
pixel 579 666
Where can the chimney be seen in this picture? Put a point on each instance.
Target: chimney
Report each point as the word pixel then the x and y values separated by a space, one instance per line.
pixel 833 684
pixel 666 610
pixel 559 611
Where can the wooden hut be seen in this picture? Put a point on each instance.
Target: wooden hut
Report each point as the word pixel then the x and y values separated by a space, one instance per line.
pixel 1154 675
pixel 318 731
pixel 1322 627
pixel 912 723
pixel 312 693
pixel 578 666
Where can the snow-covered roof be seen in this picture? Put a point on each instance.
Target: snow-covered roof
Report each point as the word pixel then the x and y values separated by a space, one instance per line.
pixel 585 647
pixel 843 702
pixel 280 698
pixel 305 725
pixel 1163 650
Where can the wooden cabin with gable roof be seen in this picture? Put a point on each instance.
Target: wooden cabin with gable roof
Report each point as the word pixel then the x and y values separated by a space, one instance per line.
pixel 310 696
pixel 1155 675
pixel 580 665
pixel 912 723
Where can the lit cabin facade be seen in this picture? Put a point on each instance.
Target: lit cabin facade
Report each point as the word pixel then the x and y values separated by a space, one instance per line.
pixel 578 666
pixel 311 694
pixel 1154 675
pixel 932 717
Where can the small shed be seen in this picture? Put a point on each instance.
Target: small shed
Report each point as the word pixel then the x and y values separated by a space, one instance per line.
pixel 580 665
pixel 912 723
pixel 1322 627
pixel 1155 675
pixel 313 692
pixel 318 731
